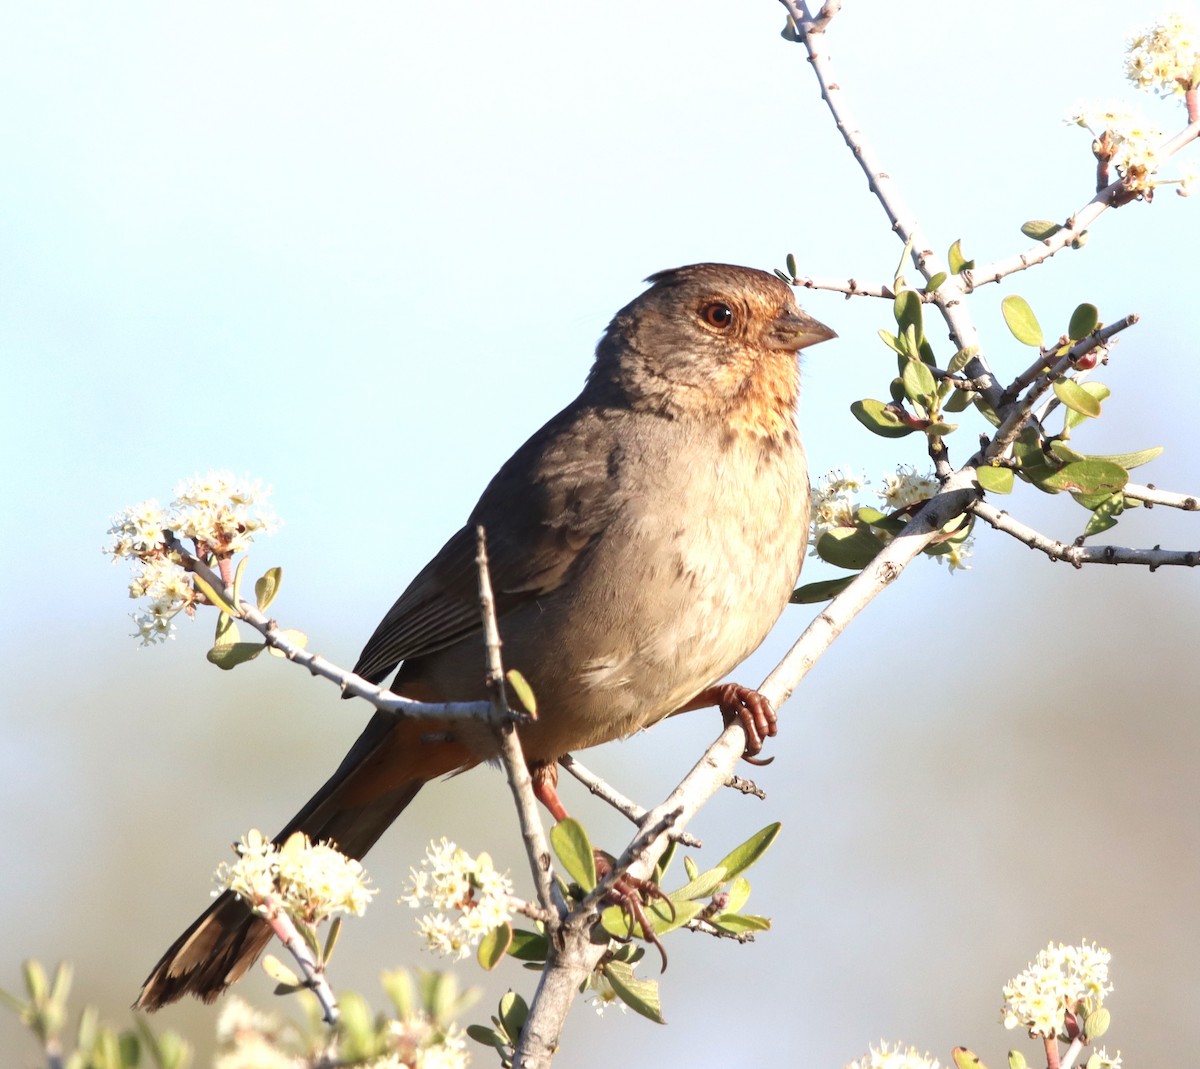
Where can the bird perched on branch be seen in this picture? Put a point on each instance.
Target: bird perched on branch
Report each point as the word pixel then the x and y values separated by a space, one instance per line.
pixel 642 543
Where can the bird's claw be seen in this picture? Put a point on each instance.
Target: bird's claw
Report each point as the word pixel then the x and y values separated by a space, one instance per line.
pixel 632 894
pixel 753 711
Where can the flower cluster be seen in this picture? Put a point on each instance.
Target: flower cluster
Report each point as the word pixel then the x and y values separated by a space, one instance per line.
pixel 603 995
pixel 896 1057
pixel 218 512
pixel 835 505
pixel 449 879
pixel 1063 979
pixel 1165 59
pixel 1124 140
pixel 310 882
pixel 422 1044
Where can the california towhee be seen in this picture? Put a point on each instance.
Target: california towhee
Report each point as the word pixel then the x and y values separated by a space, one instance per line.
pixel 642 543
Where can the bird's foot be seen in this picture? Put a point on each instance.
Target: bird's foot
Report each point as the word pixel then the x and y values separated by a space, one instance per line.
pixel 750 709
pixel 632 895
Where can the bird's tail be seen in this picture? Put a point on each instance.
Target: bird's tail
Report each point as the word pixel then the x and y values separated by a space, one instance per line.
pixel 382 773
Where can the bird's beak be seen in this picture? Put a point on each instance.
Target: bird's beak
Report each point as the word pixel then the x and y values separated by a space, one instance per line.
pixel 796 330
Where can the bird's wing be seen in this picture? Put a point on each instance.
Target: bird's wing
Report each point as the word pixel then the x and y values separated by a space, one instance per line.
pixel 541 513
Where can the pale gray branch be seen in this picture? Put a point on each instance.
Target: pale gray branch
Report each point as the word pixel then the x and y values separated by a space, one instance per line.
pixel 1078 555
pixel 504 727
pixel 1151 496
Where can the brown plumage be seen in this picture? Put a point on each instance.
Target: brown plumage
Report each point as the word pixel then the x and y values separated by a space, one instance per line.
pixel 642 543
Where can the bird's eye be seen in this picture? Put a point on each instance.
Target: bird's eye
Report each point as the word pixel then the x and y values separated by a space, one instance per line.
pixel 717 314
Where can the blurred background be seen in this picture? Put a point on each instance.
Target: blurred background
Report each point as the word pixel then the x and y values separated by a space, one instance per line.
pixel 361 253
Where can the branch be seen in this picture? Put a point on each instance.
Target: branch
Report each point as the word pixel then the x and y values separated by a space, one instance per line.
pixel 504 727
pixel 850 287
pixel 606 792
pixel 1077 225
pixel 571 962
pixel 1150 496
pixel 314 973
pixel 1076 554
pixel 952 500
pixel 382 699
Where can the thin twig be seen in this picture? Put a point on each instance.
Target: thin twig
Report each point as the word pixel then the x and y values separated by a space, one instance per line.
pixel 1078 555
pixel 850 287
pixel 382 699
pixel 606 792
pixel 314 974
pixel 1077 225
pixel 504 727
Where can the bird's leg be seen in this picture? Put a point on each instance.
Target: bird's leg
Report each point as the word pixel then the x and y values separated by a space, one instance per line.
pixel 751 709
pixel 627 891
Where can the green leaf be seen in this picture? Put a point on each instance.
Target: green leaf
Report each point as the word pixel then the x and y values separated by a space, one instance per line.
pixel 489 1037
pixel 528 946
pixel 1040 229
pixel 278 972
pixel 617 922
pixel 739 892
pixel 1098 390
pixel 742 857
pixel 1076 398
pixel 1131 460
pixel 211 594
pixel 958 262
pixel 1021 321
pixel 1061 451
pixel 229 657
pixel 331 940
pixel 702 886
pixel 934 284
pixel 791 265
pixel 919 383
pixel 235 588
pixel 267 586
pixel 227 631
pixel 907 310
pixel 641 996
pixel 1083 321
pixel 513 1013
pixel 522 690
pixel 879 418
pixel 995 480
pixel 892 342
pixel 1088 477
pixel 494 945
pixel 1104 514
pixel 966 1059
pixel 1016 1060
pixel 664 861
pixel 574 850
pixel 296 638
pixel 737 923
pixel 814 593
pixel 852 548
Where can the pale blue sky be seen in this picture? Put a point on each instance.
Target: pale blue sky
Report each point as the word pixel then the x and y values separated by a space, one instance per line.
pixel 361 252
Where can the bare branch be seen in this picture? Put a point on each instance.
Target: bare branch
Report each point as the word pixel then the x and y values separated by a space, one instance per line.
pixel 1076 554
pixel 1150 495
pixel 603 790
pixel 504 727
pixel 850 287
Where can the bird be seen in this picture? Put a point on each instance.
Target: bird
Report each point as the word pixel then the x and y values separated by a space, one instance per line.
pixel 642 543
